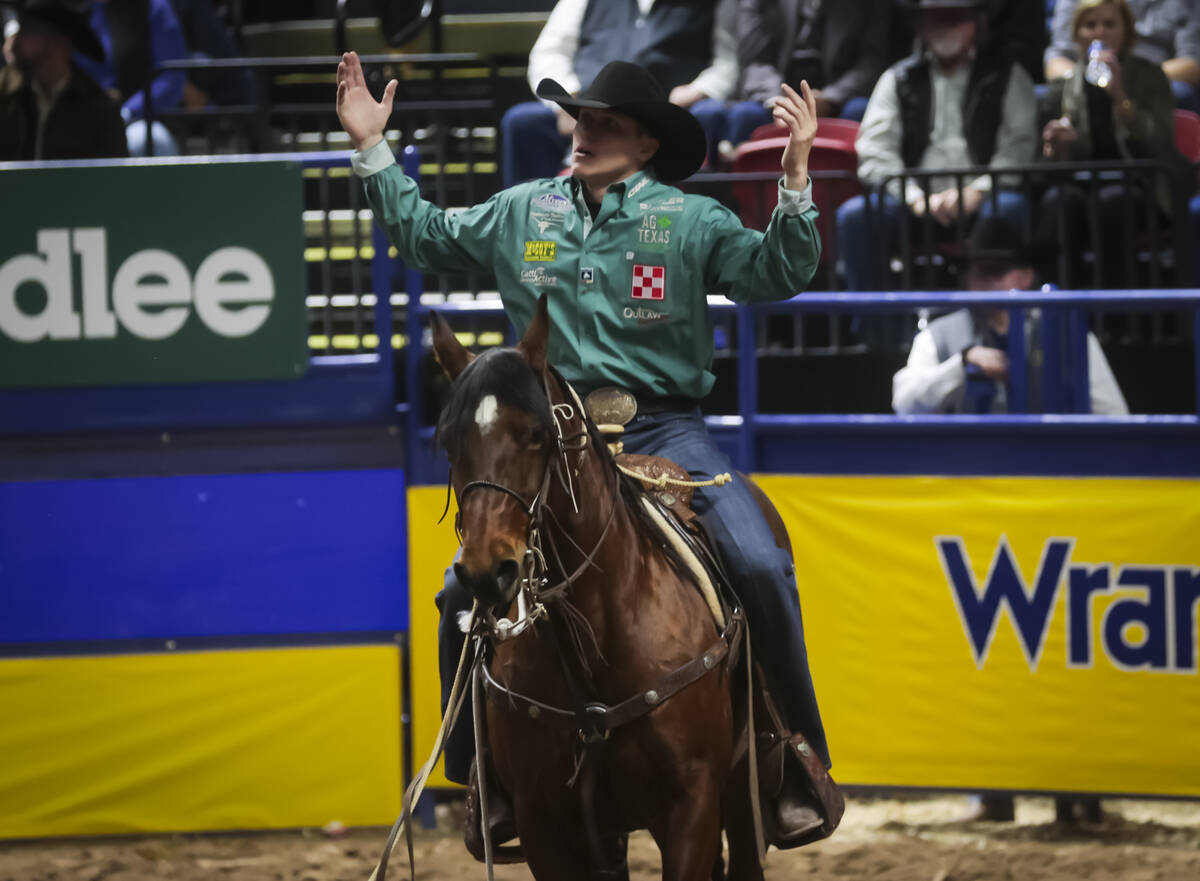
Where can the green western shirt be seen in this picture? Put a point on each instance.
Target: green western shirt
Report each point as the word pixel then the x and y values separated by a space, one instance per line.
pixel 627 291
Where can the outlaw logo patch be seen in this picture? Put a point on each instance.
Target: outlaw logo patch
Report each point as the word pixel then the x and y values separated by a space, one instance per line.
pixel 540 252
pixel 649 282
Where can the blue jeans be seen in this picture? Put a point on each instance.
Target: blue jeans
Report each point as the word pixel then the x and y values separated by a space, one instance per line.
pixel 763 576
pixel 864 264
pixel 1187 96
pixel 164 141
pixel 743 117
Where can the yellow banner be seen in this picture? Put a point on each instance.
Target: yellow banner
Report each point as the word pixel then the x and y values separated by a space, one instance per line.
pixel 199 741
pixel 431 549
pixel 990 632
pixel 998 632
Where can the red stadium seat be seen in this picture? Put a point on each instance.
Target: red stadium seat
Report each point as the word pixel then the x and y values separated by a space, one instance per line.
pixel 833 129
pixel 1187 134
pixel 757 199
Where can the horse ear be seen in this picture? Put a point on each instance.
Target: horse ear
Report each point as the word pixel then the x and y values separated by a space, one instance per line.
pixel 448 351
pixel 537 337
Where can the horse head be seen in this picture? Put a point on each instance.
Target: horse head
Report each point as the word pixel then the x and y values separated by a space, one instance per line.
pixel 498 432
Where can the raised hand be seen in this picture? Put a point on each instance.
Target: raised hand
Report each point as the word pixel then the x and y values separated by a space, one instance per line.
pixel 363 118
pixel 799 116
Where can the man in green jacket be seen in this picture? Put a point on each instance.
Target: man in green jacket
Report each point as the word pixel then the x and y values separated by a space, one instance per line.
pixel 626 261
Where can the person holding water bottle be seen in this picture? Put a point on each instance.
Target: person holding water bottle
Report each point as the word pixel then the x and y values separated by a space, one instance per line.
pixel 1114 106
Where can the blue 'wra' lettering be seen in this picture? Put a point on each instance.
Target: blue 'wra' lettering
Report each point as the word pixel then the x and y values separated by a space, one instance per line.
pixel 980 614
pixel 1151 614
pixel 1082 582
pixel 1187 591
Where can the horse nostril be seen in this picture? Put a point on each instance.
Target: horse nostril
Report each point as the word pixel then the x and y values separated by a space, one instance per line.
pixel 506 574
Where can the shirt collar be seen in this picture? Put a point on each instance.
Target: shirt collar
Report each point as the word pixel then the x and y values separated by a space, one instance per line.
pixel 631 185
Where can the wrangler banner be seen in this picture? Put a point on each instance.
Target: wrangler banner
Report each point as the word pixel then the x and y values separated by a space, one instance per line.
pixel 1032 634
pixel 1001 632
pixel 131 274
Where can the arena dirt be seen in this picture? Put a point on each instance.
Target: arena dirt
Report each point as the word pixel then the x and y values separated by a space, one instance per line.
pixel 881 840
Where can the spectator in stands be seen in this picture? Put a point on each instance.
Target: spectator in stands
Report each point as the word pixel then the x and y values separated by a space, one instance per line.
pixel 840 47
pixel 959 363
pixel 1018 30
pixel 955 102
pixel 49 108
pixel 206 36
pixel 1168 35
pixel 134 44
pixel 1128 117
pixel 690 49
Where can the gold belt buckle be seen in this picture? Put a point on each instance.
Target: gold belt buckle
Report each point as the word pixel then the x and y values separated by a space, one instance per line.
pixel 610 406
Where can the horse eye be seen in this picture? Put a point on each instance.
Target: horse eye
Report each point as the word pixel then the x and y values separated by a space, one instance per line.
pixel 537 437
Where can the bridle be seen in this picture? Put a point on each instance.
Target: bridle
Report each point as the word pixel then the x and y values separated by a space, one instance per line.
pixel 534 587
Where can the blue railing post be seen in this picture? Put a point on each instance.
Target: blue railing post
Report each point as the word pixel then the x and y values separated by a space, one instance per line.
pixel 747 361
pixel 414 325
pixel 383 270
pixel 1018 388
pixel 1196 353
pixel 1077 348
pixel 1055 397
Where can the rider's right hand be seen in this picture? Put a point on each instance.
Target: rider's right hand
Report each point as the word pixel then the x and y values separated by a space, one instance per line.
pixel 363 118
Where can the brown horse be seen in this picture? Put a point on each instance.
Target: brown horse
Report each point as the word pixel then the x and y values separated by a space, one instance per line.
pixel 536 485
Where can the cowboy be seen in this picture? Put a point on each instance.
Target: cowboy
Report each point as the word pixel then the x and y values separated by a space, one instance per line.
pixel 49 107
pixel 626 261
pixel 959 363
pixel 958 101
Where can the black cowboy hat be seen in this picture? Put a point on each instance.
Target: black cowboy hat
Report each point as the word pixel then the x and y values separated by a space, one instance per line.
pixel 630 89
pixel 922 5
pixel 71 19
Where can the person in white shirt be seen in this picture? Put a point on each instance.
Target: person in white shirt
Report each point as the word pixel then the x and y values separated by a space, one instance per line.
pixel 690 48
pixel 959 363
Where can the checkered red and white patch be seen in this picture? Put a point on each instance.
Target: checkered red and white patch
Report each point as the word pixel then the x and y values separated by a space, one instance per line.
pixel 649 282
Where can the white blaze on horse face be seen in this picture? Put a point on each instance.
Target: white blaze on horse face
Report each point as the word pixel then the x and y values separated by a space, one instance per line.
pixel 485 414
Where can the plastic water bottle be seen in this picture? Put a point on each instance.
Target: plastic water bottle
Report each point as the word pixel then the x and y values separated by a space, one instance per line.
pixel 1097 72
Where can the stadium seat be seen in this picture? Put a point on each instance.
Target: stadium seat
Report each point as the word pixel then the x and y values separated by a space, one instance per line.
pixel 1187 134
pixel 830 128
pixel 757 199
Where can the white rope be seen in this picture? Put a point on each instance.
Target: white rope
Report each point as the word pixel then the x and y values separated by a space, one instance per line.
pixel 417 786
pixel 663 481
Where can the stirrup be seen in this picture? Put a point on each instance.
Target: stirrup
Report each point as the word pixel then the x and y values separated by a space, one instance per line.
pixel 500 818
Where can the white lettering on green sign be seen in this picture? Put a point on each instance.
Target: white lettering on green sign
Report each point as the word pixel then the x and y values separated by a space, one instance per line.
pixel 151 292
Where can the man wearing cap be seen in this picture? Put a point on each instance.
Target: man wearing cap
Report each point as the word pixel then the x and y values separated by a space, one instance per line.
pixel 958 102
pixel 959 363
pixel 626 261
pixel 50 108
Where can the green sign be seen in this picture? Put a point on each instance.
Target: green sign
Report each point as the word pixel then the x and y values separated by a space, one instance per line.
pixel 127 274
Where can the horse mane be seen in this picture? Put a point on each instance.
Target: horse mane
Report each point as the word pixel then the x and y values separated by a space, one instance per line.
pixel 504 373
pixel 501 372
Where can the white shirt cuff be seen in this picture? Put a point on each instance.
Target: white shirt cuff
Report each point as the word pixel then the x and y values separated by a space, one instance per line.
pixel 372 160
pixel 795 202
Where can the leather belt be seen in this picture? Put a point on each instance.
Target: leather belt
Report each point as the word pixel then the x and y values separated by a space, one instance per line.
pixel 650 405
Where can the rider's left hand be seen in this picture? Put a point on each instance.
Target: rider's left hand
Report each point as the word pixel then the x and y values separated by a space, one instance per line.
pixel 799 115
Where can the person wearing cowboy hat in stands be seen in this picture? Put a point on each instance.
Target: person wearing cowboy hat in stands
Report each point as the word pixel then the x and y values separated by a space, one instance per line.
pixel 626 261
pixel 50 108
pixel 958 101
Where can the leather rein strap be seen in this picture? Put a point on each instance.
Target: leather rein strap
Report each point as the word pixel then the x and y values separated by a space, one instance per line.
pixel 604 719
